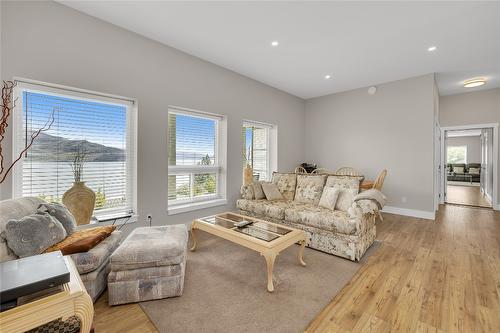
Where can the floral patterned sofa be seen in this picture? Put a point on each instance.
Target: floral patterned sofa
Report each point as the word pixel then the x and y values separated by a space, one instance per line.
pixel 346 234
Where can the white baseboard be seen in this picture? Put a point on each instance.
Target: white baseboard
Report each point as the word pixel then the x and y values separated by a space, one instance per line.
pixel 423 214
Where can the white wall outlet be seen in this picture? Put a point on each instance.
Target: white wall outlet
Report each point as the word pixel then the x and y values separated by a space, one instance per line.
pixel 403 199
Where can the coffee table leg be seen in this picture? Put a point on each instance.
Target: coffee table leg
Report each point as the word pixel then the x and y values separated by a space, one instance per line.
pixel 270 257
pixel 301 252
pixel 193 248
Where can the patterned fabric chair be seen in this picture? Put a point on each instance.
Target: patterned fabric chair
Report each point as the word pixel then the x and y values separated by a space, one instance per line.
pixel 346 232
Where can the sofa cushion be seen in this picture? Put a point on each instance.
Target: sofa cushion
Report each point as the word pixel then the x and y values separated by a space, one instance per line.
pixel 347 182
pixel 309 188
pixel 322 218
pixel 151 247
pixel 89 261
pixel 61 213
pixel 246 192
pixel 33 234
pixel 272 209
pixel 474 171
pixel 286 183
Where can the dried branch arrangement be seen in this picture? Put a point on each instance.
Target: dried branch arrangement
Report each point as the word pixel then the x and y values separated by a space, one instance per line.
pixel 8 104
pixel 78 163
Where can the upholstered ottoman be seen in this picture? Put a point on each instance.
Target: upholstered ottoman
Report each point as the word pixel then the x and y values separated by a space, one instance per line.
pixel 149 264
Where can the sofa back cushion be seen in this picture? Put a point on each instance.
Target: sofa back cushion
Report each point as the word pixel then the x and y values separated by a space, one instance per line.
pixel 286 183
pixel 14 209
pixel 309 188
pixel 344 182
pixel 459 168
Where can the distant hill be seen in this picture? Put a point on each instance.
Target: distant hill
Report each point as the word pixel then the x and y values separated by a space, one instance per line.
pixel 55 148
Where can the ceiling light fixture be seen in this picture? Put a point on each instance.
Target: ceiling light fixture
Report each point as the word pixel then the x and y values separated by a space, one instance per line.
pixel 471 83
pixel 432 48
pixel 327 77
pixel 275 43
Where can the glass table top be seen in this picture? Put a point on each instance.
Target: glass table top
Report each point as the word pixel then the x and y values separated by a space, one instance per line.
pixel 258 229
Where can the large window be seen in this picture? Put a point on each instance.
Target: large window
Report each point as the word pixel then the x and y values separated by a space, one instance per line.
pixel 195 159
pixel 256 149
pixel 98 128
pixel 456 154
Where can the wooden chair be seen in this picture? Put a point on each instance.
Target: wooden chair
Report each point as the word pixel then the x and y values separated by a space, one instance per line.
pixel 300 169
pixel 320 171
pixel 347 171
pixel 379 182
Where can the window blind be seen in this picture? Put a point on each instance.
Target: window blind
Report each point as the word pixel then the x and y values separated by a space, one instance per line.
pixel 193 162
pixel 102 131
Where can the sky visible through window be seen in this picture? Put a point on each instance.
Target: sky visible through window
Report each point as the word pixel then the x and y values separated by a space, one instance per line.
pixel 77 119
pixel 195 138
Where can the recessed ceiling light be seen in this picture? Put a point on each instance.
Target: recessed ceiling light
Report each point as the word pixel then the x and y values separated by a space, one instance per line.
pixel 432 48
pixel 479 81
pixel 327 77
pixel 274 43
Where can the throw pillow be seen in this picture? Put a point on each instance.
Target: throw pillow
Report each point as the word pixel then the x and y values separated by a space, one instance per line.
pixel 271 191
pixel 258 191
pixel 458 169
pixel 33 234
pixel 82 240
pixel 329 197
pixel 61 213
pixel 345 199
pixel 474 171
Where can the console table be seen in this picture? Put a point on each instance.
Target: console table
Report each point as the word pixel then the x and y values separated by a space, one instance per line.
pixel 73 300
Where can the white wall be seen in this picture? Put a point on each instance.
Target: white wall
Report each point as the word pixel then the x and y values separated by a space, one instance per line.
pixel 473 144
pixel 393 129
pixel 49 42
pixel 471 108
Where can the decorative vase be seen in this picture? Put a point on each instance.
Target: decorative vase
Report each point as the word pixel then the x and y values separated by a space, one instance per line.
pixel 247 175
pixel 80 201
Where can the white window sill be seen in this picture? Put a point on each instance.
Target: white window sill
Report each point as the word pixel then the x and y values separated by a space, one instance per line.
pixel 118 220
pixel 178 209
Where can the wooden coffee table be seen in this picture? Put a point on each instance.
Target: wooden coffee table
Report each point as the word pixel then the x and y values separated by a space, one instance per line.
pixel 267 238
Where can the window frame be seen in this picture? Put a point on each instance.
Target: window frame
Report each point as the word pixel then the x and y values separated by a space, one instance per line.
pixel 271 160
pixel 28 85
pixel 219 167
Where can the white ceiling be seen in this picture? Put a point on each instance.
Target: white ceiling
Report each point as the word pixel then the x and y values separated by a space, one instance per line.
pixel 358 43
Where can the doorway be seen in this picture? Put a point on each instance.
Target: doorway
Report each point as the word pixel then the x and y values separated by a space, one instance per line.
pixel 469 155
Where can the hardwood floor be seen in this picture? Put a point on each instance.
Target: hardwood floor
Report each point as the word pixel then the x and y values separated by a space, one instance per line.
pixel 466 195
pixel 426 276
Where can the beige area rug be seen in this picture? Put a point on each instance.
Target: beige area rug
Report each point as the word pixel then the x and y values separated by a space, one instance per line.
pixel 225 290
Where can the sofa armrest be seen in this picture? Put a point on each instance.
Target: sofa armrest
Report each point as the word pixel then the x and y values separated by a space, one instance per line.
pixel 363 207
pixel 247 192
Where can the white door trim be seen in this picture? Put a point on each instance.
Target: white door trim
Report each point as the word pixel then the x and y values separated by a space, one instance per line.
pixel 493 126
